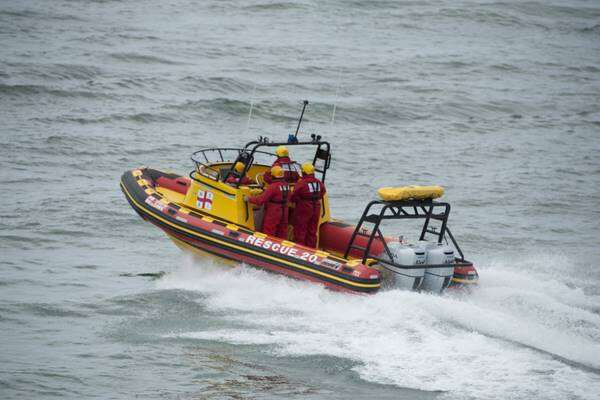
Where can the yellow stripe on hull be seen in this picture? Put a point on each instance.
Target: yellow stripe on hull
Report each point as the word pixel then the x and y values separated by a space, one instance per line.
pixel 465 281
pixel 201 253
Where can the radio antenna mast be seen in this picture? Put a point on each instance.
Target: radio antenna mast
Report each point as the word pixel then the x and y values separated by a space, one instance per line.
pixel 304 104
pixel 335 98
pixel 251 107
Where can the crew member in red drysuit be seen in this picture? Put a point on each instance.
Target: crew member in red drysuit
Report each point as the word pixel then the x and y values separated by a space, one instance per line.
pixel 308 193
pixel 289 167
pixel 275 198
pixel 235 176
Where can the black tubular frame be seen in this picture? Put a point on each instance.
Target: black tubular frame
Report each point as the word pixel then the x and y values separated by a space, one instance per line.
pixel 378 210
pixel 247 153
pixel 322 152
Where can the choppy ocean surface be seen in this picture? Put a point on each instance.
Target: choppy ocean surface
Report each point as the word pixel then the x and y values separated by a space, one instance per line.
pixel 497 101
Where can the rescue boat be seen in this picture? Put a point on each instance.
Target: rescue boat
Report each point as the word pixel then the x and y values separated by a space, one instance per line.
pixel 202 212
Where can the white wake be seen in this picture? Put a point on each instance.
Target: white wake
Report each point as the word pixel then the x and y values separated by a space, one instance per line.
pixel 523 333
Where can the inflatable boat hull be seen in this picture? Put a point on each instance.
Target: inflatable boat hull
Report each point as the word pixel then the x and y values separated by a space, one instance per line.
pixel 229 241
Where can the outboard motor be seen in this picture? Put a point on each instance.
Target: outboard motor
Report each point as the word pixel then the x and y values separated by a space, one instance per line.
pixel 406 278
pixel 439 278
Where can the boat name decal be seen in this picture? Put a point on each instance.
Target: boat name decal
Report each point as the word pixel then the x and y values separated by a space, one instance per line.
pixel 204 199
pixel 282 249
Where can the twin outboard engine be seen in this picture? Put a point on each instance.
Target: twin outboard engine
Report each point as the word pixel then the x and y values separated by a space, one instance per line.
pixel 437 279
pixel 434 279
pixel 407 278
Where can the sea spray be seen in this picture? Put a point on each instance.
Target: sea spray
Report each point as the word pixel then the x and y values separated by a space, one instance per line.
pixel 465 344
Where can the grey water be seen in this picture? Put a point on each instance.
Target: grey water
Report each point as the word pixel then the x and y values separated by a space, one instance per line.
pixel 499 102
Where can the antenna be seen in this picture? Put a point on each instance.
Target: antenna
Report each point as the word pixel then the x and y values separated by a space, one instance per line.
pixel 305 103
pixel 337 90
pixel 251 107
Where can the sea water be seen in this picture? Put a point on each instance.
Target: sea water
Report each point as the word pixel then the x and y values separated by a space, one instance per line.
pixel 497 102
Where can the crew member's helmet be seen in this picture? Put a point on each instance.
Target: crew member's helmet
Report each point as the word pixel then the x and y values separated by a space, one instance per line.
pixel 277 171
pixel 239 167
pixel 308 169
pixel 282 151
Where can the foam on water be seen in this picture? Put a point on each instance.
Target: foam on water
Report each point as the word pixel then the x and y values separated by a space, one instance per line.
pixel 517 334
